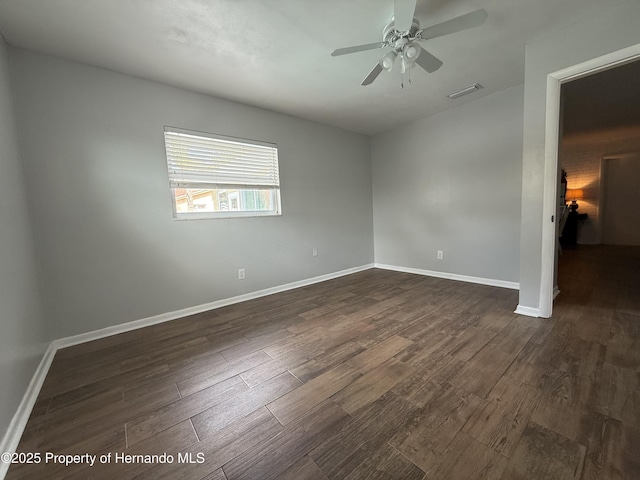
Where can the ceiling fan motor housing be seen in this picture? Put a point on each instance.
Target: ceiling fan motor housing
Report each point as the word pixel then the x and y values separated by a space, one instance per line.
pixel 397 39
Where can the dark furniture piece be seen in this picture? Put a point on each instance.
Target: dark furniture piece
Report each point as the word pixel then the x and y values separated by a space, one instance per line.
pixel 570 231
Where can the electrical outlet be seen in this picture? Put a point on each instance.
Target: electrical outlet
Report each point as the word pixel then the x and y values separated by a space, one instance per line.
pixel 315 252
pixel 440 255
pixel 241 274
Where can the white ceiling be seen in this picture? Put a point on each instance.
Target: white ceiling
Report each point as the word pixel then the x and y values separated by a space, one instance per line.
pixel 275 53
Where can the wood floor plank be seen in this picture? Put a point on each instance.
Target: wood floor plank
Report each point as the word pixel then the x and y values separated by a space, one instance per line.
pixel 608 452
pixel 514 336
pixel 386 463
pixel 85 398
pixel 171 441
pixel 566 400
pixel 254 344
pixel 428 379
pixel 530 365
pixel 437 344
pixel 152 395
pixel 209 421
pixel 303 469
pixel 468 459
pixel 193 363
pixel 217 475
pixel 623 351
pixel 294 404
pixel 326 360
pixel 107 373
pixel 583 358
pixel 205 379
pixel 500 422
pixel 372 385
pixel 377 355
pixel 339 333
pixel 108 440
pixel 495 321
pixel 165 351
pixel 270 460
pixel 62 429
pixel 483 371
pixel 542 453
pixel 302 341
pixel 435 425
pixel 619 394
pixel 229 442
pixel 470 342
pixel 370 307
pixel 182 409
pixel 370 428
pixel 265 371
pixel 401 320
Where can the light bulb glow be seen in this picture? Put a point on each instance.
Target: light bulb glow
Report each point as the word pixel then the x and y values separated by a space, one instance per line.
pixel 411 52
pixel 388 60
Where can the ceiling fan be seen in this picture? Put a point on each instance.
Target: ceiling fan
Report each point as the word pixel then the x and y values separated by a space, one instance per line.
pixel 403 33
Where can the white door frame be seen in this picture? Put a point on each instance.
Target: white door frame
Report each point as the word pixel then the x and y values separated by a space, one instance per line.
pixel 552 127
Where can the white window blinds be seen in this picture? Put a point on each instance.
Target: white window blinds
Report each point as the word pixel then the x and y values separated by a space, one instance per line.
pixel 201 160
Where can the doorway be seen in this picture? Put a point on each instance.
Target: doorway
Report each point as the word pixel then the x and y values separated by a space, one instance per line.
pixel 552 164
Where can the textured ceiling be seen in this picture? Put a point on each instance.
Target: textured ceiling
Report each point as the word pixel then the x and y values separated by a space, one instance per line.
pixel 275 53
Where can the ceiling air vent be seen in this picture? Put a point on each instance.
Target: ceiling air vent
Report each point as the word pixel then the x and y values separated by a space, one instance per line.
pixel 464 91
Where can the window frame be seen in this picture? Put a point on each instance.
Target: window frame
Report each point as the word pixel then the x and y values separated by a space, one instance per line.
pixel 274 190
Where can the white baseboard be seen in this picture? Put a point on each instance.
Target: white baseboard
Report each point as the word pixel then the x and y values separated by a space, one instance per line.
pixel 527 311
pixel 556 292
pixel 18 423
pixel 452 276
pixel 185 312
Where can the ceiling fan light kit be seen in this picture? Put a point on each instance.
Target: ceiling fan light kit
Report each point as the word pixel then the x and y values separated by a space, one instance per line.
pixel 403 33
pixel 388 60
pixel 411 51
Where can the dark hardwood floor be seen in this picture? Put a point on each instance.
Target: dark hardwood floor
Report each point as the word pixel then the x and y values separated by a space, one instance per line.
pixel 378 375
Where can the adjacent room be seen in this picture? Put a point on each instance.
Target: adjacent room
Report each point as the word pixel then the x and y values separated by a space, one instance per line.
pixel 376 239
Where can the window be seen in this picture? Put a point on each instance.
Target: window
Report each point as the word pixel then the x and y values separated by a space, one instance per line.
pixel 212 176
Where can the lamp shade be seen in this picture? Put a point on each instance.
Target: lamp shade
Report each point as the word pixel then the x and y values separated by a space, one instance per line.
pixel 410 52
pixel 388 60
pixel 574 194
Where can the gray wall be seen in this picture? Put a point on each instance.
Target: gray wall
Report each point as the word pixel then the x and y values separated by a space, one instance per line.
pixel 96 170
pixel 451 182
pixel 22 338
pixel 594 32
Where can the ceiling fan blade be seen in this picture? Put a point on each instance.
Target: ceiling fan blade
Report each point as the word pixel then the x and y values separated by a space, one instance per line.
pixel 373 74
pixel 403 11
pixel 428 61
pixel 357 48
pixel 457 24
